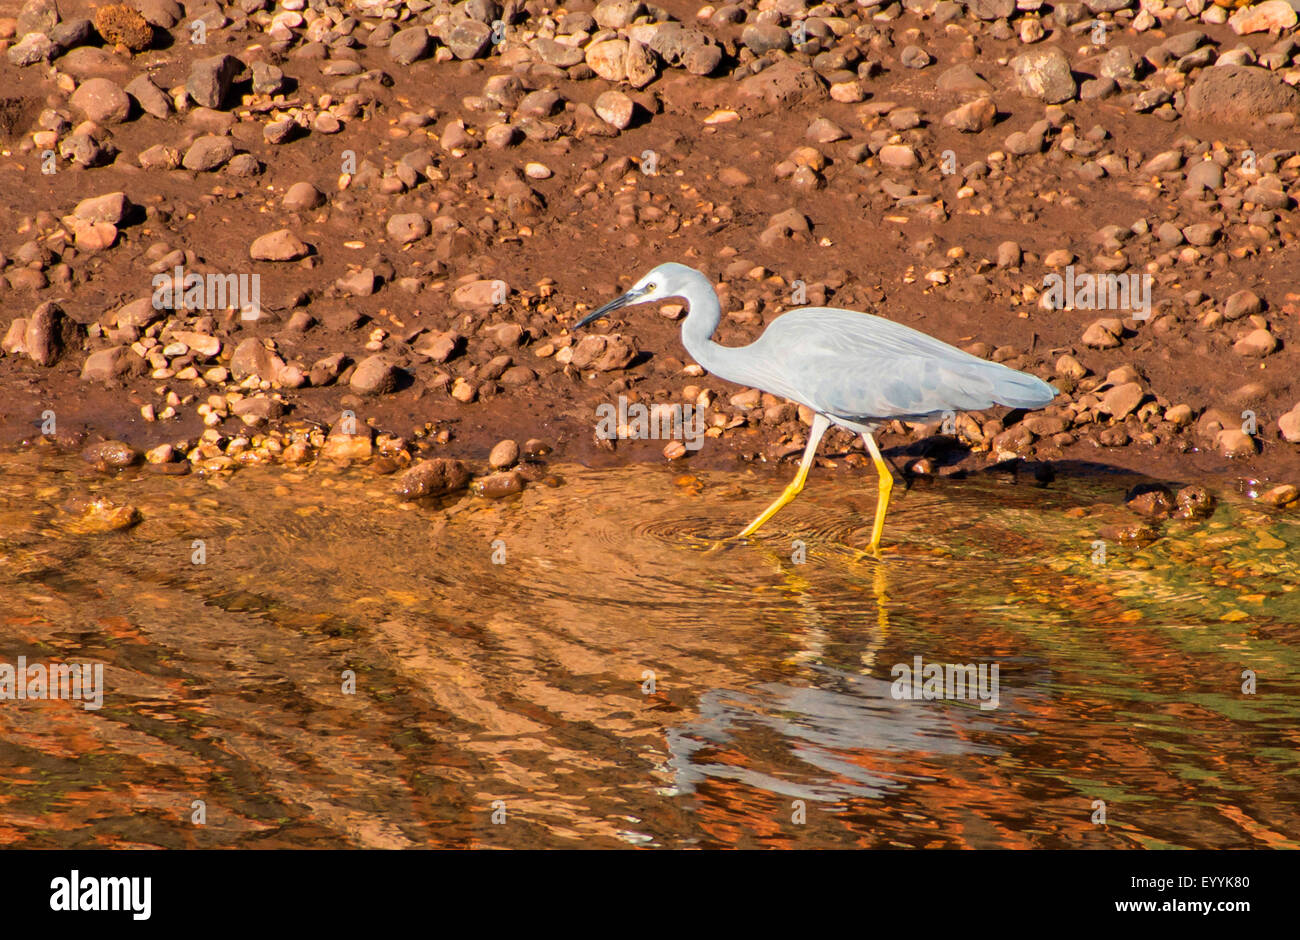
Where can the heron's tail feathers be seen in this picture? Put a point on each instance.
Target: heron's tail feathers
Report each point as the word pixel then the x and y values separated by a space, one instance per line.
pixel 1022 390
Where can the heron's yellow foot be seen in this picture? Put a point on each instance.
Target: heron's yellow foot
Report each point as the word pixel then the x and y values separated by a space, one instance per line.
pixel 819 425
pixel 789 493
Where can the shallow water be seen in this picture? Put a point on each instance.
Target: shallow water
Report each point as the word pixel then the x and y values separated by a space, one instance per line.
pixel 623 678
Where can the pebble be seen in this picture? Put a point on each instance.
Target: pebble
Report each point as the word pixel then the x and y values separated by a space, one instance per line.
pixel 615 108
pixel 1234 442
pixel 407 227
pixel 302 197
pixel 504 454
pixel 972 117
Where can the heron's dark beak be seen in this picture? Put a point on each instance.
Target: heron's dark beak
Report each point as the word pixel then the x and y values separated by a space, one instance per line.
pixel 630 297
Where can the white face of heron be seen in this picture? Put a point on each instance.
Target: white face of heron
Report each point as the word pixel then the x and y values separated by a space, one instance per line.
pixel 652 285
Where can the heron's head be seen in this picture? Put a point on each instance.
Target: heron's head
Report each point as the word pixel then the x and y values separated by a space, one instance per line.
pixel 667 280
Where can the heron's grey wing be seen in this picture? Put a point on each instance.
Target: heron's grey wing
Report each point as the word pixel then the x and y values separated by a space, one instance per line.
pixel 859 366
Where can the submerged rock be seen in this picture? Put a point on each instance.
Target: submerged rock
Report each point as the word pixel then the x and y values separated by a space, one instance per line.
pixel 108 456
pixel 435 477
pixel 95 515
pixel 1194 502
pixel 499 485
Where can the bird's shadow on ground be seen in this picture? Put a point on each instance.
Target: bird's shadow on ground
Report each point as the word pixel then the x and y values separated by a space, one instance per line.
pixel 941 456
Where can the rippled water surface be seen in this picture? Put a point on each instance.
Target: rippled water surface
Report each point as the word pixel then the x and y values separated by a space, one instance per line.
pixel 626 679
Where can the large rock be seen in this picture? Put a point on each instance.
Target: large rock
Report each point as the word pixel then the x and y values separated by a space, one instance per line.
pixel 37 16
pixel 375 375
pixel 50 333
pixel 1262 17
pixel 15 341
pixel 687 47
pixel 210 79
pixel 604 352
pixel 499 485
pixel 32 48
pixel 469 39
pixel 1256 344
pixel 208 152
pixel 111 208
pixel 137 314
pixel 280 245
pixel 349 439
pixel 112 364
pixel 1234 442
pixel 407 227
pixel 555 53
pixel 101 100
pixel 992 9
pixel 762 38
pixel 119 24
pixel 410 45
pixel 615 108
pixel 899 156
pixel 1122 400
pixel 479 295
pixel 972 117
pixel 608 59
pixel 1044 74
pixel 108 456
pixel 201 344
pixel 161 13
pixel 434 477
pixel 1289 425
pixel 1239 94
pixel 785 84
pixel 640 65
pixel 71 34
pixel 439 346
pixel 251 357
pixel 151 98
pixel 303 196
pixel 617 14
pixel 961 79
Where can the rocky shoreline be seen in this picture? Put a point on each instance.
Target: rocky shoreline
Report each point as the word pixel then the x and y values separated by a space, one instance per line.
pixel 360 231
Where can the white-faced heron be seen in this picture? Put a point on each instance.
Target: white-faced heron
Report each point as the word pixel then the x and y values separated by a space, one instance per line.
pixel 851 369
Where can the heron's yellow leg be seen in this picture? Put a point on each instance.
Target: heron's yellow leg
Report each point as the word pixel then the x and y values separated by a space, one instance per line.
pixel 886 485
pixel 819 426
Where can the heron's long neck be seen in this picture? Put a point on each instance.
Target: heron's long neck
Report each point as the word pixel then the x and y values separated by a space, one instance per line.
pixel 697 336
